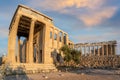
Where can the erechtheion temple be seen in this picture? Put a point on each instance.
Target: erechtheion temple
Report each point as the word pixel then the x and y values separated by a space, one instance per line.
pixel 98 49
pixel 32 39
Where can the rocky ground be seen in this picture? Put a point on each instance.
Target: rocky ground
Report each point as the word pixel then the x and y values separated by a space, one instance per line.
pixel 88 74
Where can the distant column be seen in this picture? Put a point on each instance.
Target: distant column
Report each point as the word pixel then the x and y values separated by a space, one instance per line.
pixel 85 50
pixel 90 50
pixel 94 49
pixel 81 49
pixel 107 50
pixel 98 51
pixel 31 35
pixel 102 50
pixel 111 46
pixel 114 49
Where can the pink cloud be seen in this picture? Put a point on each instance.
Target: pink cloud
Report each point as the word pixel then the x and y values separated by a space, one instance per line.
pixel 94 12
pixel 96 17
pixel 57 5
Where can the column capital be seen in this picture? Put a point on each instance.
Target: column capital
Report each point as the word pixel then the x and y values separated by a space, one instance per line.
pixel 33 19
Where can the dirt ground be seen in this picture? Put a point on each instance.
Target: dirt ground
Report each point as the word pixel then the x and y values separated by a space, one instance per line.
pixel 89 74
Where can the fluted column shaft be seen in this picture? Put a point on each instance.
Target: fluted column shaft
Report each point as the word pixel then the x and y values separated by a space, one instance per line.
pixel 18 55
pixel 102 50
pixel 31 35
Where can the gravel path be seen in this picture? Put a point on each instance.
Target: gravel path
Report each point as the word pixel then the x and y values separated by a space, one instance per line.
pixel 95 74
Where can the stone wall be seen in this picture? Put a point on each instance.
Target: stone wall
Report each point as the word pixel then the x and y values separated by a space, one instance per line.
pixel 100 61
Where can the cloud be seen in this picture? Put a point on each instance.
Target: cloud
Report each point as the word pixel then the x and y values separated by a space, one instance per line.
pixel 90 12
pixel 96 17
pixel 62 4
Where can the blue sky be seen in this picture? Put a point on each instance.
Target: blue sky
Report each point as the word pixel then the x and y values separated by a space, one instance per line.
pixel 83 20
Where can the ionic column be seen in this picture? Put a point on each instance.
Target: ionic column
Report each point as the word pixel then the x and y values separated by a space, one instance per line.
pixel 67 39
pixel 98 51
pixel 63 38
pixel 107 50
pixel 12 40
pixel 94 49
pixel 27 51
pixel 37 48
pixel 53 33
pixel 89 50
pixel 85 50
pixel 102 50
pixel 36 54
pixel 81 49
pixel 114 49
pixel 58 39
pixel 31 35
pixel 18 55
pixel 111 49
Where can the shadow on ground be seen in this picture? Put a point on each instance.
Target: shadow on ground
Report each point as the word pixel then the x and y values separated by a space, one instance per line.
pixel 18 74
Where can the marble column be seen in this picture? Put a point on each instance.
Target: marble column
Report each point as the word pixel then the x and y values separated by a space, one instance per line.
pixel 27 51
pixel 114 49
pixel 81 49
pixel 102 50
pixel 107 50
pixel 31 35
pixel 94 49
pixel 98 51
pixel 37 47
pixel 53 33
pixel 12 40
pixel 111 49
pixel 85 50
pixel 58 39
pixel 18 55
pixel 89 50
pixel 67 40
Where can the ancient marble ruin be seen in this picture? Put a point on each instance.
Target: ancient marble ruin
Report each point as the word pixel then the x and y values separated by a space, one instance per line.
pixel 99 49
pixel 32 40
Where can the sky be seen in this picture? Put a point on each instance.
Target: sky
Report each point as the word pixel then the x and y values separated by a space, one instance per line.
pixel 83 20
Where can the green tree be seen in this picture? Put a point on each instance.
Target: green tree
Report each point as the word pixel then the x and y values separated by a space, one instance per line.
pixel 76 55
pixel 66 50
pixel 71 54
